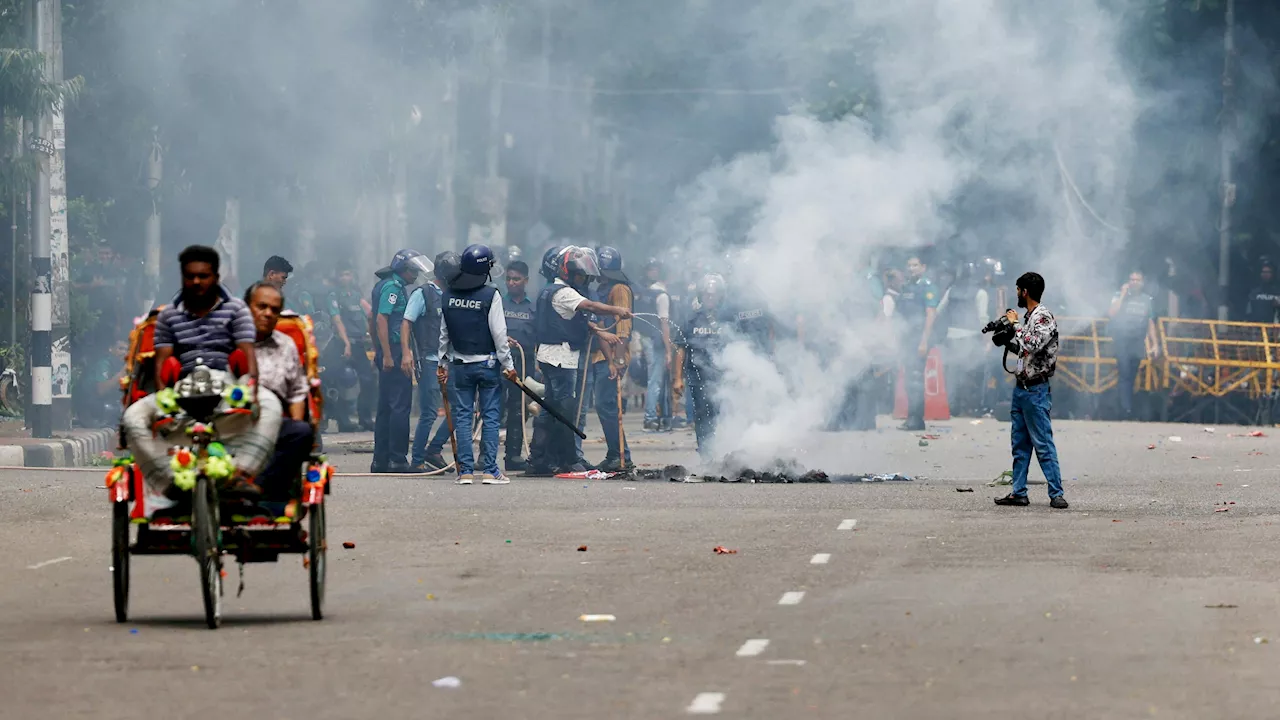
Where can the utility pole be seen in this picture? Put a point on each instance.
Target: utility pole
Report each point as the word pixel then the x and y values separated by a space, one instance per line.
pixel 59 245
pixel 151 257
pixel 1228 148
pixel 40 417
pixel 544 146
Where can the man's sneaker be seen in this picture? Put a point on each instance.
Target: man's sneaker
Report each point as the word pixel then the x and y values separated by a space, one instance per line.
pixel 516 464
pixel 539 471
pixel 1059 502
pixel 435 461
pixel 612 465
pixel 1017 500
pixel 466 479
pixel 651 425
pixel 498 479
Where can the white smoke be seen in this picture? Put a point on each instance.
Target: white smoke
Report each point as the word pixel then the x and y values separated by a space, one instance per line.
pixel 1030 101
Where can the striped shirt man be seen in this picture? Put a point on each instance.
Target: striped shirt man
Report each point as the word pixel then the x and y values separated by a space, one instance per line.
pixel 211 337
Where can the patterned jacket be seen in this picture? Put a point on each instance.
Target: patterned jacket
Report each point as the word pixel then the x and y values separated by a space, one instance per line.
pixel 1038 338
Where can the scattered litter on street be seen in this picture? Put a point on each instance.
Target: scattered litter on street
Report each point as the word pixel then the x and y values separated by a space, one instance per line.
pixel 975 422
pixel 924 443
pixel 722 550
pixel 964 489
pixel 1004 478
pixel 1174 438
pixel 349 545
pixel 1260 641
pixel 1222 606
pixel 1209 430
pixel 1151 447
pixel 797 663
pixel 1201 457
pixel 582 548
pixel 1221 509
pixel 931 437
pixel 597 618
pixel 447 682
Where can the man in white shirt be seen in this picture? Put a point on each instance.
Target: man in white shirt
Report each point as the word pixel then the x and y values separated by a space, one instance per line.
pixel 563 330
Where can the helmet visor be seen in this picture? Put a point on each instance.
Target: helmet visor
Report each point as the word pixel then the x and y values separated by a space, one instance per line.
pixel 421 265
pixel 583 261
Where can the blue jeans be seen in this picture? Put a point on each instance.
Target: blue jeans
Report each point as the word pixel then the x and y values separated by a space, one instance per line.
pixel 607 401
pixel 1033 430
pixel 428 405
pixel 655 357
pixel 467 382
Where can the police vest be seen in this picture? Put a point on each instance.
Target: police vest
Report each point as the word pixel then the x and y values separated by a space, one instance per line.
pixel 646 305
pixel 752 323
pixel 354 321
pixel 466 314
pixel 1262 304
pixel 704 337
pixel 520 323
pixel 962 307
pixel 551 329
pixel 426 329
pixel 912 301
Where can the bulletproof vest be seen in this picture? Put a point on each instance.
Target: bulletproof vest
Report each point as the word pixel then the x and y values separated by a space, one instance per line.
pixel 352 314
pixel 751 321
pixel 962 307
pixel 646 305
pixel 911 301
pixel 551 329
pixel 426 329
pixel 1262 304
pixel 520 324
pixel 704 338
pixel 466 313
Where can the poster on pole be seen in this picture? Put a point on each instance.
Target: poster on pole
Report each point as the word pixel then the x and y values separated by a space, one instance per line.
pixel 58 246
pixel 60 367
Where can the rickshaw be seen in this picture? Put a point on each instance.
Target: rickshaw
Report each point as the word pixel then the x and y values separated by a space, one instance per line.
pixel 209 526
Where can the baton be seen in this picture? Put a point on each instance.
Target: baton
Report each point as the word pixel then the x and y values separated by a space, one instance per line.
pixel 448 416
pixel 552 411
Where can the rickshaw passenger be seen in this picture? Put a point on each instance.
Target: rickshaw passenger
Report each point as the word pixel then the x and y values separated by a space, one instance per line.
pixel 280 371
pixel 204 323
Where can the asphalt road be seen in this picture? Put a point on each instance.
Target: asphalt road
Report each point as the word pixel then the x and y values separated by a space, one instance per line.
pixel 933 604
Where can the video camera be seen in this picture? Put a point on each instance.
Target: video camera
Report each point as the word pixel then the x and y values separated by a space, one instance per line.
pixel 1003 331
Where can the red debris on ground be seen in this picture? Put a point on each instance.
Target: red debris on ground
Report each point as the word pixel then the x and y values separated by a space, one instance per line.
pixel 722 550
pixel 349 545
pixel 582 548
pixel 1151 447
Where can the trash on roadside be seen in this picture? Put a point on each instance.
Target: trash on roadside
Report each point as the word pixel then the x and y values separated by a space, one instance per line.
pixel 1201 457
pixel 447 682
pixel 924 443
pixel 1004 478
pixel 597 618
pixel 582 548
pixel 1221 509
pixel 1222 606
pixel 1260 641
pixel 1257 433
pixel 964 489
pixel 1209 430
pixel 722 550
pixel 931 437
pixel 349 545
pixel 1151 447
pixel 975 422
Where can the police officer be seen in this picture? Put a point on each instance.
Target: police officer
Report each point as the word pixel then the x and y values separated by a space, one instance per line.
pixel 964 310
pixel 348 314
pixel 395 387
pixel 1264 299
pixel 918 306
pixel 562 329
pixel 422 326
pixel 654 304
pixel 610 361
pixel 519 312
pixel 696 367
pixel 751 319
pixel 474 349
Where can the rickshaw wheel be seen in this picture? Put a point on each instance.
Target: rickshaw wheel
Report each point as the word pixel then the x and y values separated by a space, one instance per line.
pixel 205 527
pixel 120 558
pixel 317 557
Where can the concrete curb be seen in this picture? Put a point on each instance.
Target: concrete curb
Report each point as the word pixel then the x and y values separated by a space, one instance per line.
pixel 74 449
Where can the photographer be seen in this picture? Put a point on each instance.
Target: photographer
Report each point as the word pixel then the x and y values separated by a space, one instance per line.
pixel 1035 343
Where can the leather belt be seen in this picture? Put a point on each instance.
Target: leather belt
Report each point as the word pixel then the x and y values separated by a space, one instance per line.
pixel 1027 384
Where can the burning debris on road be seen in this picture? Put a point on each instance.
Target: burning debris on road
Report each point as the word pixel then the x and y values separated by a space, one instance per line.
pixel 780 473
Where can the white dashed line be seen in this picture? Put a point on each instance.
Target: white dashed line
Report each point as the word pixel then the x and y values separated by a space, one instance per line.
pixel 39 565
pixel 846 524
pixel 751 648
pixel 791 598
pixel 820 559
pixel 797 663
pixel 706 704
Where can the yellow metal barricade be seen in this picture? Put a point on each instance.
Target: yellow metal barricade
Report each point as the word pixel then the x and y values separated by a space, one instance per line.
pixel 1207 358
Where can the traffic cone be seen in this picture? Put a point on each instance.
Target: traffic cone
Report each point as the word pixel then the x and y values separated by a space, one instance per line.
pixel 936 406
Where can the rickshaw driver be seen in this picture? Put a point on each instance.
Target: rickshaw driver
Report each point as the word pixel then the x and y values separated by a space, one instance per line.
pixel 204 323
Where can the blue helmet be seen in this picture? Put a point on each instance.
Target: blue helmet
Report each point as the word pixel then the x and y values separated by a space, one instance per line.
pixel 475 264
pixel 551 262
pixel 410 261
pixel 610 260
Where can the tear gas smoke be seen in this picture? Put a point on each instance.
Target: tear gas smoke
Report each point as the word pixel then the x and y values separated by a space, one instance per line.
pixel 1030 104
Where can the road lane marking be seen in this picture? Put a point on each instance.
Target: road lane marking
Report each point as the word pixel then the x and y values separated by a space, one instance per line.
pixel 707 703
pixel 791 598
pixel 39 565
pixel 751 648
pixel 797 663
pixel 820 559
pixel 846 524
